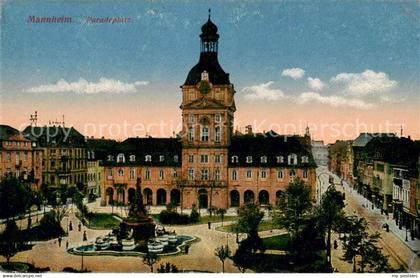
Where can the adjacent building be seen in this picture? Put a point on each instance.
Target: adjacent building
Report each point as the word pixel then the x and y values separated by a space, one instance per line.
pixel 320 152
pixel 63 154
pixel 20 157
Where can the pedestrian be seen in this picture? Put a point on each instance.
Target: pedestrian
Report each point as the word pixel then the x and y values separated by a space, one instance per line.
pixel 80 226
pixel 335 244
pixel 70 226
pixel 59 241
pixel 67 244
pixel 187 248
pixel 209 224
pixel 84 236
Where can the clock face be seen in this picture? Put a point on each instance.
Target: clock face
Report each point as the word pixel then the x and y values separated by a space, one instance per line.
pixel 204 87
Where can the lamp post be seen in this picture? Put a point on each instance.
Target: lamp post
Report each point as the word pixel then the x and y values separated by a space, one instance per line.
pixel 83 246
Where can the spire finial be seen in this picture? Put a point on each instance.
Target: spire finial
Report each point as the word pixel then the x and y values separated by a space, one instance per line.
pixel 209 13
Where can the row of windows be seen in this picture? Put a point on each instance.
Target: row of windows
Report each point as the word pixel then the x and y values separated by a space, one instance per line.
pixel 17 143
pixel 18 156
pixel 132 158
pixel 204 158
pixel 147 173
pixel 67 152
pixel 217 118
pixel 93 176
pixel 204 174
pixel 292 159
pixel 263 174
pixel 205 134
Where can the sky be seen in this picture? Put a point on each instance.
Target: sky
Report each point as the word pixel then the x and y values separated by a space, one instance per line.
pixel 339 67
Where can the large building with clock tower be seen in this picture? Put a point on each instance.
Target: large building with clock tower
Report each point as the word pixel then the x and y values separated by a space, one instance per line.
pixel 207 164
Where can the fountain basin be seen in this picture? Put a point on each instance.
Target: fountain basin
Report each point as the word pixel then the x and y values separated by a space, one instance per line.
pixel 170 249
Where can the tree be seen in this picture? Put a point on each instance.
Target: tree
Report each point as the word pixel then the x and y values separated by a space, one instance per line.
pixel 150 259
pixel 15 197
pixel 222 252
pixel 9 240
pixel 249 220
pixel 221 212
pixel 361 244
pixel 167 268
pixel 330 214
pixel 211 210
pixel 194 215
pixel 293 208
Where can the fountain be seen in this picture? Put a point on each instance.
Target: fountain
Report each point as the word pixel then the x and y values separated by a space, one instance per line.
pixel 137 227
pixel 138 234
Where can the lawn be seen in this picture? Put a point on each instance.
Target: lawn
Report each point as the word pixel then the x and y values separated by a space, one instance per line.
pixel 205 219
pixel 102 221
pixel 264 226
pixel 276 242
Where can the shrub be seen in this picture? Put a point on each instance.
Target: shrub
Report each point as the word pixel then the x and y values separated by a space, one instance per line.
pixel 172 217
pixel 195 215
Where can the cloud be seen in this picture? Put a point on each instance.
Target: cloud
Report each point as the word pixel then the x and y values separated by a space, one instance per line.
pixel 295 73
pixel 82 86
pixel 262 92
pixel 315 84
pixel 365 83
pixel 335 101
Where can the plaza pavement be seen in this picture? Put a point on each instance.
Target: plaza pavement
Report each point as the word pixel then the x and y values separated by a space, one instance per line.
pixel 201 254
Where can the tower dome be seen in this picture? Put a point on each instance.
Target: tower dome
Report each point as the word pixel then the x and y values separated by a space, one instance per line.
pixel 208 58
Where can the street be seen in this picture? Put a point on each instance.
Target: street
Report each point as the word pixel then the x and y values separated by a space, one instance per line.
pixel 393 242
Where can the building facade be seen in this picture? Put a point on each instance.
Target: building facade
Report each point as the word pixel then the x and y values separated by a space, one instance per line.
pixel 63 153
pixel 320 153
pixel 206 164
pixel 20 157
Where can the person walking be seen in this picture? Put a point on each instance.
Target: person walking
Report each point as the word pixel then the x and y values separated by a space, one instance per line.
pixel 59 241
pixel 80 226
pixel 67 244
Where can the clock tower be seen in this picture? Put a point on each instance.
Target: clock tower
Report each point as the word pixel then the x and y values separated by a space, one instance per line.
pixel 208 108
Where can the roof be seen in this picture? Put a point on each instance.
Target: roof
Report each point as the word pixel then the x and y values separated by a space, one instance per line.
pixel 140 147
pixel 365 137
pixel 48 136
pixel 208 62
pixel 7 131
pixel 270 145
pixel 100 148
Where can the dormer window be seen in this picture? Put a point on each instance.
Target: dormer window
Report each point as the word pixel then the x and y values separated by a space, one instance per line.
pixel 132 158
pixel 92 155
pixel 263 159
pixel 120 158
pixel 234 159
pixel 176 158
pixel 305 159
pixel 110 158
pixel 249 159
pixel 148 158
pixel 280 159
pixel 161 158
pixel 292 159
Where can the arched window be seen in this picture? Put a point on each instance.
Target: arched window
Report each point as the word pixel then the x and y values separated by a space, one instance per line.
pixel 249 159
pixel 120 172
pixel 234 159
pixel 191 134
pixel 204 134
pixel 264 159
pixel 132 173
pixel 234 175
pixel 148 158
pixel 120 158
pixel 132 158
